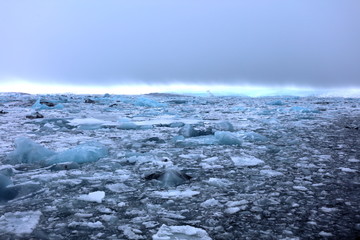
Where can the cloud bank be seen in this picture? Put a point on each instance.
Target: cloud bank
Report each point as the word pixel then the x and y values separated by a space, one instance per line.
pixel 273 43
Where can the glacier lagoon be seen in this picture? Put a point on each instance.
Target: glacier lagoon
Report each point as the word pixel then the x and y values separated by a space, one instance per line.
pixel 162 166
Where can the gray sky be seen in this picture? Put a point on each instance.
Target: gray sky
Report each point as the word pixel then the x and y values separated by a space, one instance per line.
pixel 269 42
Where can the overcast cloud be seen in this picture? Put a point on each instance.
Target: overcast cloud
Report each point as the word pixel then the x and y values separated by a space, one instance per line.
pixel 269 42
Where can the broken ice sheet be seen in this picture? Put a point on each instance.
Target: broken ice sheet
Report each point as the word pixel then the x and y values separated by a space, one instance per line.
pixel 19 223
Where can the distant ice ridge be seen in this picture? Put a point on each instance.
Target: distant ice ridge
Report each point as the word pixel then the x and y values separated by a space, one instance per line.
pixel 27 151
pixel 180 232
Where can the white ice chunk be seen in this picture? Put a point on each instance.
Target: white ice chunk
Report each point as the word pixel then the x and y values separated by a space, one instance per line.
pixel 93 196
pixel 271 173
pixel 176 193
pixel 328 210
pixel 180 232
pixel 348 170
pixel 300 188
pixel 93 225
pixel 210 203
pixel 19 223
pixel 227 138
pixel 246 161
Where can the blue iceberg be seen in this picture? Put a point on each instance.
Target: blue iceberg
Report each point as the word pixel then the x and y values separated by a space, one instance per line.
pixel 27 151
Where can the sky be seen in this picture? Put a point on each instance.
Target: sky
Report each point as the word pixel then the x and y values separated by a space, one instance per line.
pixel 68 44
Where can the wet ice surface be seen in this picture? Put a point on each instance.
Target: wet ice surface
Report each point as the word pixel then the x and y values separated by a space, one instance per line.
pixel 284 168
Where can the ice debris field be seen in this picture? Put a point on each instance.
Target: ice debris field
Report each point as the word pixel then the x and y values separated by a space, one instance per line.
pixel 164 166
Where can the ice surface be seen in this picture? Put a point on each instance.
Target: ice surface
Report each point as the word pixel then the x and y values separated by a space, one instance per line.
pixel 87 123
pixel 28 151
pixel 227 138
pixel 19 223
pixel 247 161
pixel 87 152
pixel 180 232
pixel 177 193
pixel 97 196
pixel 224 126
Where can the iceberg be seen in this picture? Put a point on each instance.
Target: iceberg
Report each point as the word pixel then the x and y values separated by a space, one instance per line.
pixel 169 177
pixel 30 152
pixel 87 152
pixel 224 126
pixel 45 105
pixel 227 138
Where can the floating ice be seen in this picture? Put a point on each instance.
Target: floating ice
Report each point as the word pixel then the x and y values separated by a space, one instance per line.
pixel 19 223
pixel 276 103
pixel 212 202
pixel 246 161
pixel 227 138
pixel 64 166
pixel 6 193
pixel 93 196
pixel 180 232
pixel 146 102
pixel 28 151
pixel 169 177
pixel 255 137
pixel 224 126
pixel 176 193
pixel 45 105
pixel 188 131
pixel 126 124
pixel 87 152
pixel 87 123
pixel 271 173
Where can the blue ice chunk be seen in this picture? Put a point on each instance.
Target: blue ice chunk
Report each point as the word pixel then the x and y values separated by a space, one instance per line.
pixel 87 152
pixel 188 131
pixel 41 106
pixel 6 193
pixel 224 126
pixel 255 137
pixel 147 102
pixel 227 138
pixel 303 110
pixel 127 124
pixel 28 151
pixel 276 103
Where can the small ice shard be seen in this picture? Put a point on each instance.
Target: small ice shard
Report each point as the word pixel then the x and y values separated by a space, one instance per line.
pixel 93 225
pixel 169 177
pixel 87 123
pixel 87 152
pixel 93 196
pixel 246 161
pixel 227 138
pixel 328 210
pixel 28 151
pixel 232 210
pixel 19 223
pixel 180 232
pixel 224 126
